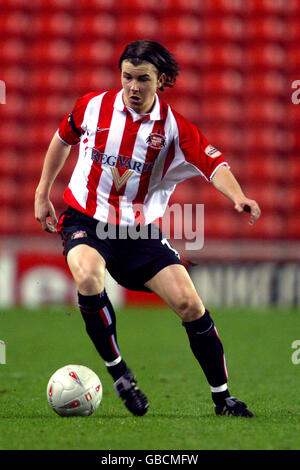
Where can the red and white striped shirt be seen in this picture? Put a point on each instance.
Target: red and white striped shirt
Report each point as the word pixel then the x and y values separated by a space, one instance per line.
pixel 128 165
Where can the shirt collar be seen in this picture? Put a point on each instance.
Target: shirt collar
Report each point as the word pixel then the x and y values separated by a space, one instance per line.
pixel 155 114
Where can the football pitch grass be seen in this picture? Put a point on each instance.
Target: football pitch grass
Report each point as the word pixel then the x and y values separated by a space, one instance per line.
pixel 258 347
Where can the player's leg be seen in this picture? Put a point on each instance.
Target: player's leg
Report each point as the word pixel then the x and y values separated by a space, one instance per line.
pixel 88 269
pixel 174 285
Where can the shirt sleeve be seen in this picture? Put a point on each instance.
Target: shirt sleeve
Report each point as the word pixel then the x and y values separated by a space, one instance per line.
pixel 197 150
pixel 70 129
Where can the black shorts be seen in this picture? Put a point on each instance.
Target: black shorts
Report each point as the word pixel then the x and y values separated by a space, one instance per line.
pixel 133 255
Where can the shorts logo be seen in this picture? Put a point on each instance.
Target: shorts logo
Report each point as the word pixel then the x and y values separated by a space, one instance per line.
pixel 212 151
pixel 156 140
pixel 78 234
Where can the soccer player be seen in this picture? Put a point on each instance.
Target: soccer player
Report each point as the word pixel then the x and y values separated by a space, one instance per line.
pixel 134 149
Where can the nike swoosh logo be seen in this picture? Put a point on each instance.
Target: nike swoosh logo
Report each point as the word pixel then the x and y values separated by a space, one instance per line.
pixel 101 130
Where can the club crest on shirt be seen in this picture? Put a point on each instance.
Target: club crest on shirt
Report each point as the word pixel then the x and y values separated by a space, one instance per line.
pixel 156 140
pixel 79 234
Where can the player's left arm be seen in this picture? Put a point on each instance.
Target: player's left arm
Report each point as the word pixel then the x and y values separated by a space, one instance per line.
pixel 225 182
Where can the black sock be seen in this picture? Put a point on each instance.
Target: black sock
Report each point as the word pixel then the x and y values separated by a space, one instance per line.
pixel 100 321
pixel 208 350
pixel 219 397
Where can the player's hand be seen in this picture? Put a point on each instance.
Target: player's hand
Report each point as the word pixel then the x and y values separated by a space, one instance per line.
pixel 45 214
pixel 251 206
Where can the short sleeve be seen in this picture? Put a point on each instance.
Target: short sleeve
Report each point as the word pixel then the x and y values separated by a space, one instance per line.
pixel 196 148
pixel 70 129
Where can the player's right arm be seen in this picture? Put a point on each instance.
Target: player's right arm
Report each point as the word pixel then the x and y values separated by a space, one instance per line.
pixel 55 158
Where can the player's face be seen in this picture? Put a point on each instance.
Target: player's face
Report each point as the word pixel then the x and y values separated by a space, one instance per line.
pixel 140 83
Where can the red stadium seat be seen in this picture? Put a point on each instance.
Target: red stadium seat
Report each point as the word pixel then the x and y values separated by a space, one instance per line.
pixel 28 224
pixel 33 162
pixel 139 26
pixel 293 54
pixel 96 25
pixel 272 55
pixel 27 189
pixel 237 165
pixel 229 81
pixel 227 27
pixel 293 200
pixel 187 106
pixel 156 6
pixel 221 109
pixel 60 24
pixel 55 51
pixel 186 52
pixel 293 110
pixel 227 138
pixel 293 168
pixel 267 138
pixel 270 6
pixel 216 225
pixel 265 168
pixel 292 228
pixel 16 78
pixel 51 107
pixel 14 23
pixel 11 163
pixel 99 5
pixel 9 221
pixel 95 79
pixel 12 4
pixel 97 53
pixel 269 226
pixel 182 26
pixel 181 196
pixel 188 82
pixel 51 79
pixel 206 194
pixel 265 110
pixel 220 55
pixel 271 196
pixel 267 28
pixel 46 5
pixel 185 192
pixel 13 134
pixel 223 6
pixel 13 51
pixel 9 192
pixel 16 106
pixel 294 29
pixel 266 83
pixel 40 134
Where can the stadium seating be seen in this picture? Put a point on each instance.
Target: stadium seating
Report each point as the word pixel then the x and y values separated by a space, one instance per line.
pixel 238 61
pixel 103 23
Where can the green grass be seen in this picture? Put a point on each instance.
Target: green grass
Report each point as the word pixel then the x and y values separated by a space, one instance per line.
pixel 153 342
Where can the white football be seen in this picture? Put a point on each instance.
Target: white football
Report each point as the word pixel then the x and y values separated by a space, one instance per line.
pixel 74 390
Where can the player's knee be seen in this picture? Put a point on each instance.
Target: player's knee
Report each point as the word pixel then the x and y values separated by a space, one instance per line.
pixel 190 307
pixel 89 282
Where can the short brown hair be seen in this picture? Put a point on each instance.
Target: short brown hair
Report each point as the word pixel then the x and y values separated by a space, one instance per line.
pixel 150 51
